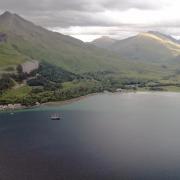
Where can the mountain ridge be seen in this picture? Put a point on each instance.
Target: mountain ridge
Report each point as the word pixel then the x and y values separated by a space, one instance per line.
pixel 28 41
pixel 34 42
pixel 146 46
pixel 68 67
pixel 103 42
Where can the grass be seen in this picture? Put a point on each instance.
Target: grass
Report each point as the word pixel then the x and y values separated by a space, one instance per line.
pixel 75 84
pixel 9 56
pixel 70 85
pixel 172 88
pixel 16 93
pixel 166 88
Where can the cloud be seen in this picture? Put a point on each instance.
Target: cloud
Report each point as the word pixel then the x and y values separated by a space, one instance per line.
pixel 77 5
pixel 89 33
pixel 51 13
pixel 128 4
pixel 67 13
pixel 117 18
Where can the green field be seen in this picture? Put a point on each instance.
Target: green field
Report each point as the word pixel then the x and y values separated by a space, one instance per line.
pixel 13 95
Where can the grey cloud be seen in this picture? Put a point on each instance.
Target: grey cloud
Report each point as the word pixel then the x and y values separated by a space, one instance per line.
pixel 75 5
pixel 128 4
pixel 68 18
pixel 50 5
pixel 65 13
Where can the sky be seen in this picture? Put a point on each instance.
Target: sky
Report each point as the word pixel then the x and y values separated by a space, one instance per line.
pixel 91 19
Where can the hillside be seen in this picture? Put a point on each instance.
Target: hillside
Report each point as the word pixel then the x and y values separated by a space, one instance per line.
pixel 147 47
pixel 103 42
pixel 66 67
pixel 25 41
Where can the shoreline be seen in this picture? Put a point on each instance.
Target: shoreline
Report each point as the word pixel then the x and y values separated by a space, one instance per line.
pixel 69 101
pixel 15 107
pixel 65 102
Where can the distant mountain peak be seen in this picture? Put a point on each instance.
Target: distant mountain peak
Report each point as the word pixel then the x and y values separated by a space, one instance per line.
pixel 106 38
pixel 8 14
pixel 158 36
pixel 103 42
pixel 11 22
pixel 9 17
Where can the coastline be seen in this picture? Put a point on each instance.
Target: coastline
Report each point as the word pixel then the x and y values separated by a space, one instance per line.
pixel 69 101
pixel 15 107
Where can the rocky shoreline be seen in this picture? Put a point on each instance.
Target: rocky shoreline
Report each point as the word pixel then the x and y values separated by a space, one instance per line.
pixel 11 107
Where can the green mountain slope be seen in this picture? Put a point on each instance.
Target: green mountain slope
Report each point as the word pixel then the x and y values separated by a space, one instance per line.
pixel 21 40
pixel 33 42
pixel 147 47
pixel 71 68
pixel 104 42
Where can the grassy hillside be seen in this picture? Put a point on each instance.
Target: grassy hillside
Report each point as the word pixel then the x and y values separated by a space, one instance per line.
pixel 9 56
pixel 69 53
pixel 70 68
pixel 150 47
pixel 104 42
pixel 27 41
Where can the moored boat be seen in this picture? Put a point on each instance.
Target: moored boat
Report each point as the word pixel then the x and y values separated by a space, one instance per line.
pixel 55 117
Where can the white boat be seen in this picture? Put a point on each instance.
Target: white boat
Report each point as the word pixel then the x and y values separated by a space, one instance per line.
pixel 55 117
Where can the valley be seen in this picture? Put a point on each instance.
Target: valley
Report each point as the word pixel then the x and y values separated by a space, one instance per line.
pixel 67 68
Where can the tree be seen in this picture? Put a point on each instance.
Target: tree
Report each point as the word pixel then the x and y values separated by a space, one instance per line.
pixel 19 69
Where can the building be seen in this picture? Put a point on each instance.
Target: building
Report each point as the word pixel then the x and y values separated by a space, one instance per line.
pixel 30 66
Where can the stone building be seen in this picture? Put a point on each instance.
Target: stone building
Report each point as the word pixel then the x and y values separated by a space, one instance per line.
pixel 30 66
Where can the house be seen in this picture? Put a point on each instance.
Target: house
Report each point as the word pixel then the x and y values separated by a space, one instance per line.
pixel 30 66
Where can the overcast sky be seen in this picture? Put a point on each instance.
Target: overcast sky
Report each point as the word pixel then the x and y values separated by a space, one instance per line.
pixel 90 19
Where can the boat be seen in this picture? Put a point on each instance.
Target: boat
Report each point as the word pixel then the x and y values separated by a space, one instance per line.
pixel 55 117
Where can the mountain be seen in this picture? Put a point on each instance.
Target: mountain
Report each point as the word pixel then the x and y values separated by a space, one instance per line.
pixel 38 65
pixel 25 41
pixel 104 42
pixel 150 47
pixel 21 41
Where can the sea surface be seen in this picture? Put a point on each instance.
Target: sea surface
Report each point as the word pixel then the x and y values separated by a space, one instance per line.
pixel 130 136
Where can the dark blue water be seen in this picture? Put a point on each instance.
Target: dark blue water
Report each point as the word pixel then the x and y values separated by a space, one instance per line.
pixel 108 137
